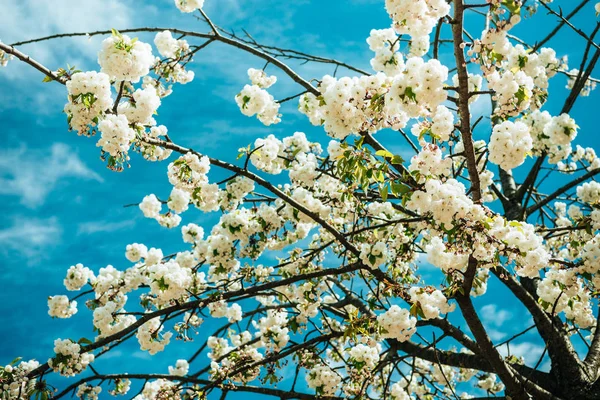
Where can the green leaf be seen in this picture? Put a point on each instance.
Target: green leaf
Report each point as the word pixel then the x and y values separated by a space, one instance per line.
pixel 16 360
pixel 512 6
pixel 384 153
pixel 399 189
pixel 383 191
pixel 408 92
pixel 47 78
pixel 84 341
pixel 397 160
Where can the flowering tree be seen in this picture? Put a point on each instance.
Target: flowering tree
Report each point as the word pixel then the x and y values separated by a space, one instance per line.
pixel 347 304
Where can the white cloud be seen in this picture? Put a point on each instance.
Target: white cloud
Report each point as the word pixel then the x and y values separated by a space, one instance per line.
pixel 494 316
pixel 88 228
pixel 28 19
pixel 531 352
pixel 30 238
pixel 33 174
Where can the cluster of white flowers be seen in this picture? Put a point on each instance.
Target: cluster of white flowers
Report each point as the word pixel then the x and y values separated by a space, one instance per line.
pixel 181 368
pixel 172 69
pixel 192 233
pixel 107 322
pixel 431 302
pixel 188 6
pixel 551 135
pixel 446 201
pixel 121 387
pixel 159 389
pixel 397 323
pixel 4 57
pixel 363 356
pixel 374 255
pixel 385 43
pixel 69 361
pixel 419 90
pixel 259 78
pixel 169 281
pixel 219 309
pixel 349 105
pixel 170 47
pixel 14 383
pixel 255 100
pixel 140 108
pixel 324 380
pixel 60 307
pixel 125 59
pixel 518 77
pixel 528 247
pixel 88 392
pixel 89 97
pixel 371 103
pixel 440 127
pixel 509 144
pixel 416 18
pixel 150 338
pixel 430 163
pixel 562 291
pixel 589 192
pixel 588 86
pixel 397 392
pixel 489 383
pixel 273 329
pixel 116 136
pixel 77 277
pixel 446 259
pixel 179 200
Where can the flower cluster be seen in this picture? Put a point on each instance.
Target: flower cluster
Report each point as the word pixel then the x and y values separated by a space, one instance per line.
pixel 417 19
pixel 255 100
pixel 89 98
pixel 87 392
pixel 385 43
pixel 324 380
pixel 431 302
pixel 509 144
pixel 188 6
pixel 551 135
pixel 397 323
pixel 69 361
pixel 374 255
pixel 371 103
pixel 181 368
pixel 14 382
pixel 125 59
pixel 150 337
pixel 61 307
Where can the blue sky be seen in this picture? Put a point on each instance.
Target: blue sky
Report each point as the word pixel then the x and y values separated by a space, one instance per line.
pixel 61 205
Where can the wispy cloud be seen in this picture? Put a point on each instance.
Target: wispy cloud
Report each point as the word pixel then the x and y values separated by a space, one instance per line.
pixel 30 238
pixel 28 19
pixel 494 316
pixel 33 174
pixel 89 228
pixel 531 352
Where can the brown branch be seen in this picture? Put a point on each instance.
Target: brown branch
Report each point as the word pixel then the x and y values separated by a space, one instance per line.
pixel 561 190
pixel 282 394
pixel 26 59
pixel 559 26
pixel 202 303
pixel 463 99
